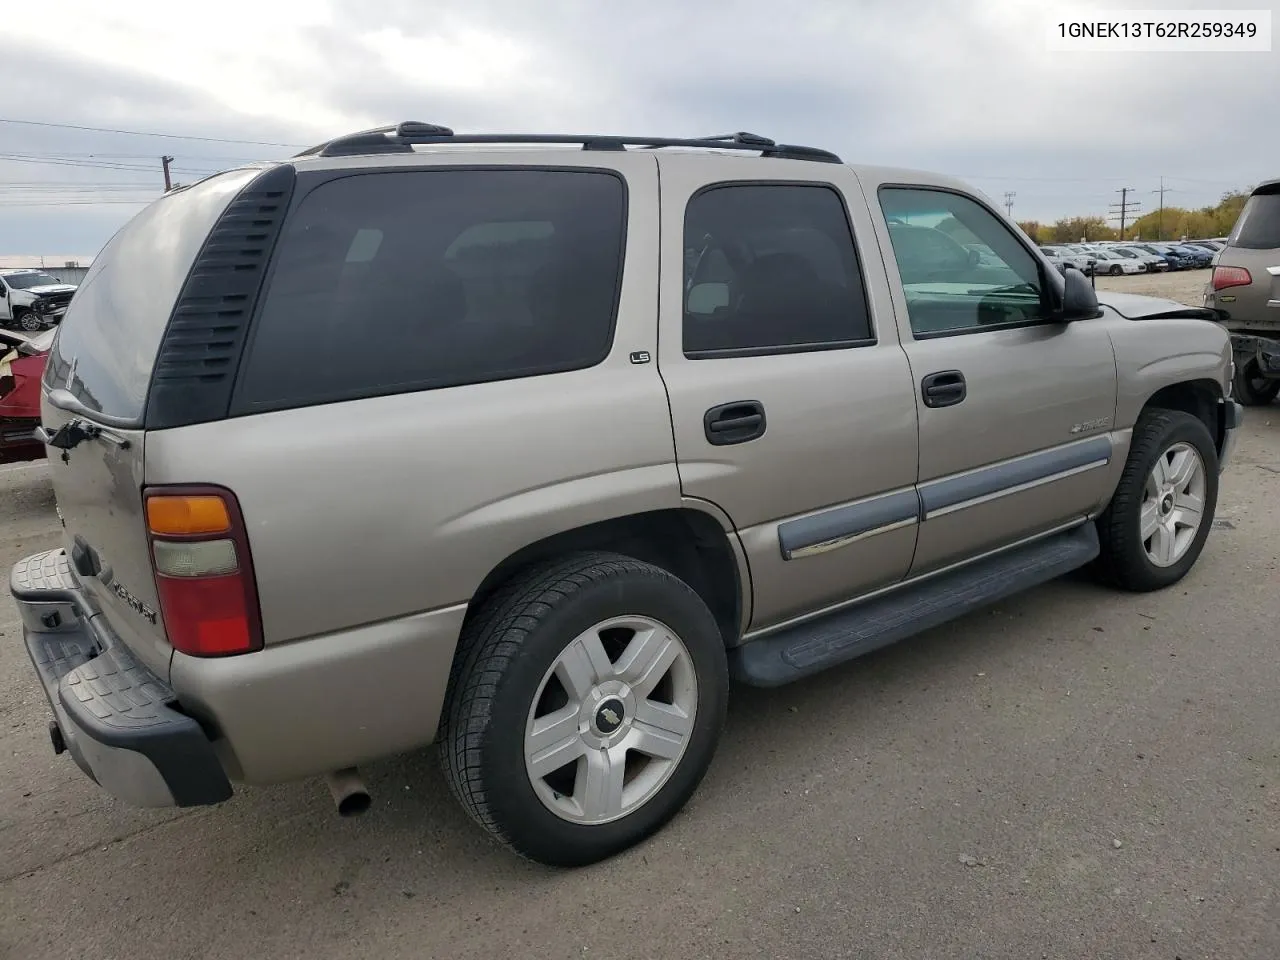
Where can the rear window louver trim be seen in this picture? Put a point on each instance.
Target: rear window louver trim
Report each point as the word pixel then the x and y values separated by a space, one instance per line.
pixel 198 357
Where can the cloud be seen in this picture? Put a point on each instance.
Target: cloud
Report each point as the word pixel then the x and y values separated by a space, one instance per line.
pixel 967 89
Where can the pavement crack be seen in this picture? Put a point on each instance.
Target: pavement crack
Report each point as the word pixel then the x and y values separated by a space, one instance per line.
pixel 99 845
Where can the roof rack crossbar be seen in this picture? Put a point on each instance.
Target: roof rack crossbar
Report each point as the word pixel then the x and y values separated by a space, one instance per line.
pixel 401 138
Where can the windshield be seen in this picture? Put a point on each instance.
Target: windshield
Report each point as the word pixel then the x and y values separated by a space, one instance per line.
pixel 1258 227
pixel 25 281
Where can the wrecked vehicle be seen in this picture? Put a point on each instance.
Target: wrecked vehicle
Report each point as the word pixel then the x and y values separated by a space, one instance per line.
pixel 31 300
pixel 22 359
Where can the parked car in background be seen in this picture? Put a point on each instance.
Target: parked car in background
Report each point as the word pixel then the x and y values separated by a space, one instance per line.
pixel 1114 264
pixel 1153 262
pixel 1199 256
pixel 1171 260
pixel 32 300
pixel 22 360
pixel 1211 245
pixel 1081 261
pixel 1244 288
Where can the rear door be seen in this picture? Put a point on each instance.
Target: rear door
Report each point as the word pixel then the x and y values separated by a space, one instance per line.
pixel 1254 244
pixel 791 399
pixel 1015 413
pixel 98 371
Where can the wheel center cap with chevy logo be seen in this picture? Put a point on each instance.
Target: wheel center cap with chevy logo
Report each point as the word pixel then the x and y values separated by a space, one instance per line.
pixel 609 716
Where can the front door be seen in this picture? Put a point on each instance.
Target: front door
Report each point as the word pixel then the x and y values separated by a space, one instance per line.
pixel 792 408
pixel 1015 413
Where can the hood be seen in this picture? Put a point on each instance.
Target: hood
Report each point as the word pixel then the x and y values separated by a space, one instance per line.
pixel 40 291
pixel 28 344
pixel 1134 306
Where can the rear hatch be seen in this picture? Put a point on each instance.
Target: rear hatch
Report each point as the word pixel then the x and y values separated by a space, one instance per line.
pixel 97 381
pixel 1254 245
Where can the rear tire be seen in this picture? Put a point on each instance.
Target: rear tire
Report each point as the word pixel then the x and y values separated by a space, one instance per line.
pixel 1251 389
pixel 1155 527
pixel 584 708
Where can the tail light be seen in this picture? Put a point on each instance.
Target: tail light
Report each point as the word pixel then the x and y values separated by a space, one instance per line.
pixel 204 574
pixel 1224 277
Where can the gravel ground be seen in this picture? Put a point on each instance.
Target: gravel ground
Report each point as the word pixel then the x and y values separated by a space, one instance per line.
pixel 1075 773
pixel 1185 286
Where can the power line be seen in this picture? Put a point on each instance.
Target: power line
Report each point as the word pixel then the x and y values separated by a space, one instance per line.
pixel 1008 202
pixel 142 133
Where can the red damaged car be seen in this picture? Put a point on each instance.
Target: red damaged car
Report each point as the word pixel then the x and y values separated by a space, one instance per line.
pixel 22 359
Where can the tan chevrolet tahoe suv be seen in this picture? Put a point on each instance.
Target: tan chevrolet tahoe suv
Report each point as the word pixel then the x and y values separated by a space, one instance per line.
pixel 524 445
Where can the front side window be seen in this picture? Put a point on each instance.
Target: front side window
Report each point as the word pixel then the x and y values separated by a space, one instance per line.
pixel 411 280
pixel 770 268
pixel 962 269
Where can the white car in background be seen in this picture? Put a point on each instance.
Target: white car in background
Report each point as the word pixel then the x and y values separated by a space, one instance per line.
pixel 1114 264
pixel 1082 261
pixel 31 300
pixel 1154 262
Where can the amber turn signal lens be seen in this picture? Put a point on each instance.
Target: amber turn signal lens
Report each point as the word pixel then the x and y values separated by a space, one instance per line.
pixel 187 516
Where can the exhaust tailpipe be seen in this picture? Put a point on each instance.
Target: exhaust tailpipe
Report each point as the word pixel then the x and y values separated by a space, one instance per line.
pixel 349 793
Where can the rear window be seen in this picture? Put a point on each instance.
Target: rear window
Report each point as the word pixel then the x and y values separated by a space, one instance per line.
pixel 1258 226
pixel 411 280
pixel 107 343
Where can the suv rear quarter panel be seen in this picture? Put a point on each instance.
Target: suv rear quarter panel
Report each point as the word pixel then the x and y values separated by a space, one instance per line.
pixel 364 511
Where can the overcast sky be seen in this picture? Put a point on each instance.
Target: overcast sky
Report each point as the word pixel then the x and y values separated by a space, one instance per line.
pixel 965 87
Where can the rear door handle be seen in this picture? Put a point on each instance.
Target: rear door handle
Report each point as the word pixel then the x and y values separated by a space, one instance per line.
pixel 943 389
pixel 735 422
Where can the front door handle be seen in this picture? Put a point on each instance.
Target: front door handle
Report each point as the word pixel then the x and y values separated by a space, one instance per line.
pixel 735 422
pixel 943 389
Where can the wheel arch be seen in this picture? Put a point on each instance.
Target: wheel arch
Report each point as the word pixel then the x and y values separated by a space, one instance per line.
pixel 1200 398
pixel 694 542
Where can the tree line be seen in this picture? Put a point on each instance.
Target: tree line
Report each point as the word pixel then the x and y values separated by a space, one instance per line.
pixel 1171 224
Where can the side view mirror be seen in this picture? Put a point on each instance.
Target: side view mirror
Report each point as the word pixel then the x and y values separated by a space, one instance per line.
pixel 1077 300
pixel 974 257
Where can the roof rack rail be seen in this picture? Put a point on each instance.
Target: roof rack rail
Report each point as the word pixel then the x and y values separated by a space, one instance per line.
pixel 401 137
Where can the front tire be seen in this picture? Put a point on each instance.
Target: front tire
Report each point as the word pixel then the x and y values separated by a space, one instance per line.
pixel 1155 527
pixel 1116 270
pixel 1252 389
pixel 584 708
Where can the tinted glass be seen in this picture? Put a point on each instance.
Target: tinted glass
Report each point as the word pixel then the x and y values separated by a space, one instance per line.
pixel 410 280
pixel 962 268
pixel 770 268
pixel 108 340
pixel 1258 226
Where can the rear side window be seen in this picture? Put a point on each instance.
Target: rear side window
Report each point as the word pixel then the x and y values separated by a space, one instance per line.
pixel 107 343
pixel 412 280
pixel 1258 226
pixel 770 268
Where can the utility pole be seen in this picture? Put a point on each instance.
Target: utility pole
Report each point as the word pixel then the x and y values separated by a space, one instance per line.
pixel 164 162
pixel 1160 221
pixel 1008 203
pixel 1122 209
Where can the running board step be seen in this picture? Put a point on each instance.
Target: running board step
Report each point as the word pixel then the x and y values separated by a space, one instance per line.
pixel 811 647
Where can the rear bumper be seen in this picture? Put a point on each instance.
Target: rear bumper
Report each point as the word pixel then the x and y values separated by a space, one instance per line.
pixel 119 722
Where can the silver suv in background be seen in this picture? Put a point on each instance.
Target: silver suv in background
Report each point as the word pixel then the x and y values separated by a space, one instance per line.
pixel 1244 289
pixel 411 440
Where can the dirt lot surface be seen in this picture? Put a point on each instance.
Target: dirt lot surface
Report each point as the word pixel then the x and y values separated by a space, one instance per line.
pixel 1185 286
pixel 1073 774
